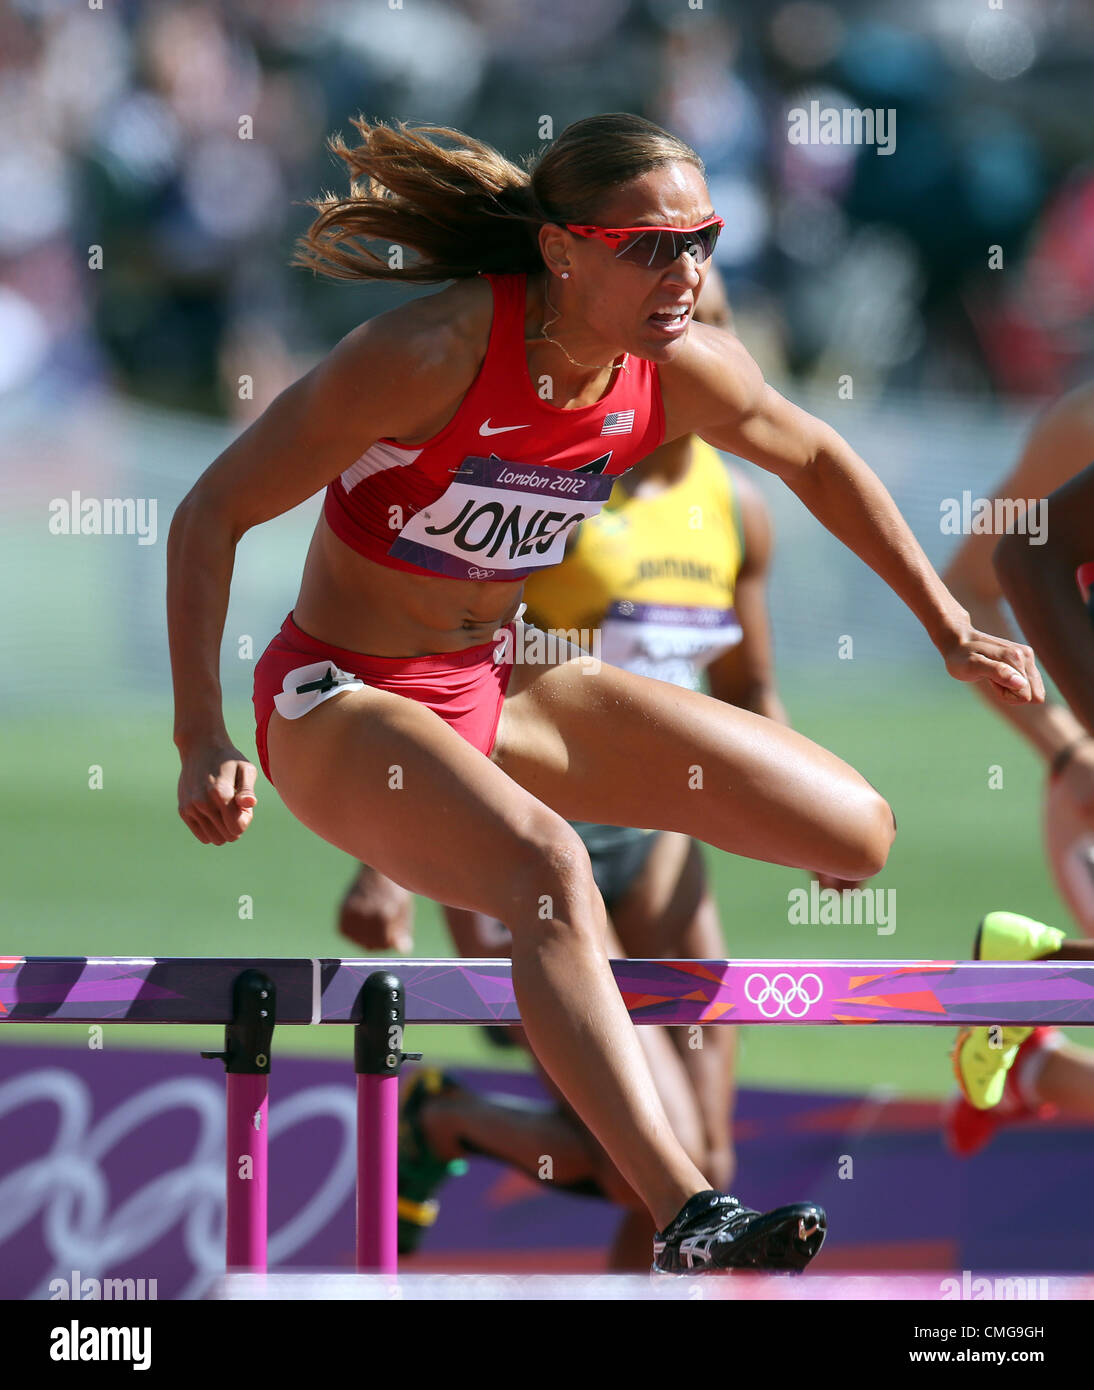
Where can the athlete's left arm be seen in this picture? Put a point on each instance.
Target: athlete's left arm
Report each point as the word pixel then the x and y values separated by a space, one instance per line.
pixel 722 396
pixel 745 675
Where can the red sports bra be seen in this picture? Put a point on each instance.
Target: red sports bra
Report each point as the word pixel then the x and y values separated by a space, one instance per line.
pixel 495 493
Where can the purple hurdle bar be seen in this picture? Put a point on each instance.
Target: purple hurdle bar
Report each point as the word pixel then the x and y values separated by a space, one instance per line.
pixel 80 989
pixel 380 995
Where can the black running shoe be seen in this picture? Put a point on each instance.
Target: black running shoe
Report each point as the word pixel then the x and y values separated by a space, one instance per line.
pixel 713 1232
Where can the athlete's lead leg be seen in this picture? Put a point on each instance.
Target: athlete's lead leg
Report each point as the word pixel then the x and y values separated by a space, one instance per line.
pixel 623 749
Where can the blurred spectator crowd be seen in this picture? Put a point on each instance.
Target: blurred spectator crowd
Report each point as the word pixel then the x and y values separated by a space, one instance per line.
pixel 121 130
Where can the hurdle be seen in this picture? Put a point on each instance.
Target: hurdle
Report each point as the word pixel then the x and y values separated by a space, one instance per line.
pixel 379 997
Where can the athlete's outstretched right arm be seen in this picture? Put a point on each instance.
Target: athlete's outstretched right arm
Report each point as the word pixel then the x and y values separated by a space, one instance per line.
pixel 370 386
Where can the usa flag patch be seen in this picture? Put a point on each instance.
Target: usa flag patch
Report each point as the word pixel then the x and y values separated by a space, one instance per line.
pixel 618 422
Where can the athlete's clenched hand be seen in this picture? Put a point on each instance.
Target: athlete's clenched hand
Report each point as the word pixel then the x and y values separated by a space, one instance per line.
pixel 1010 667
pixel 216 792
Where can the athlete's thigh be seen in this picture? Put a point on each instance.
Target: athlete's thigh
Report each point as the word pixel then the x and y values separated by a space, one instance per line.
pixel 386 780
pixel 624 749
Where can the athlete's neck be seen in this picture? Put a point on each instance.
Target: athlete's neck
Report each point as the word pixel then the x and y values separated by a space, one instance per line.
pixel 565 359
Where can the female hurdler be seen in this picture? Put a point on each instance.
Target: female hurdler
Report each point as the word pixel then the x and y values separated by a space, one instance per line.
pixel 459 438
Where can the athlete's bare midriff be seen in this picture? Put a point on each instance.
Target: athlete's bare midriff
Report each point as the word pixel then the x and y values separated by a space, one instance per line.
pixel 356 604
pixel 362 606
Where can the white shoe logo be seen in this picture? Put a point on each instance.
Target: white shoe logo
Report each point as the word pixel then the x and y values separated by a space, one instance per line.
pixel 485 428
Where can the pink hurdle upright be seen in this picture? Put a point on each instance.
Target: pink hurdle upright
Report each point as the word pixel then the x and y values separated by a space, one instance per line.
pixel 377 1057
pixel 246 1057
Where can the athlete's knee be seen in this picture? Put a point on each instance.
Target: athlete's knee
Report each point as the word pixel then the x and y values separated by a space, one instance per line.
pixel 550 878
pixel 874 833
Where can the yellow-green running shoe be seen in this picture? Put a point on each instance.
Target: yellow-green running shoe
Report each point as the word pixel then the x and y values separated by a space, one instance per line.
pixel 1010 936
pixel 982 1056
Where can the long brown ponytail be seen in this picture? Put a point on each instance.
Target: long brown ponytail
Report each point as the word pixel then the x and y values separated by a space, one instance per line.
pixel 461 205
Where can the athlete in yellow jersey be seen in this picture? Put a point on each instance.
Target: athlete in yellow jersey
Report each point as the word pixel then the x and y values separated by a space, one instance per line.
pixel 668 580
pixel 656 571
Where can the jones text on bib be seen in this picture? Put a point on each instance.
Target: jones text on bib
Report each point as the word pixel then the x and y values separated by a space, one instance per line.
pixel 499 520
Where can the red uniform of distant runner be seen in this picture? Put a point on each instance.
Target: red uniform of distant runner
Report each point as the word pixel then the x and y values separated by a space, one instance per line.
pixel 492 496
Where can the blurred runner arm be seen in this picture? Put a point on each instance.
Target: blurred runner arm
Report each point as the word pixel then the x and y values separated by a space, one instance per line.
pixel 1039 582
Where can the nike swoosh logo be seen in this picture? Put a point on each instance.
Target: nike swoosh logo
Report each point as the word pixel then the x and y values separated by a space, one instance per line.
pixel 485 428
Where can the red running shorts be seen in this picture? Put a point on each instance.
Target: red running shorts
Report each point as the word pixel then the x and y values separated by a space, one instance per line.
pixel 465 688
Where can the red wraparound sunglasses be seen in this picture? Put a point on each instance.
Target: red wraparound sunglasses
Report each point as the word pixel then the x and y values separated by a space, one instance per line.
pixel 655 248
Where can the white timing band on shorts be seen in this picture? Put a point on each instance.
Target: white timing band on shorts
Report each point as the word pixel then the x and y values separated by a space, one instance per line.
pixel 291 703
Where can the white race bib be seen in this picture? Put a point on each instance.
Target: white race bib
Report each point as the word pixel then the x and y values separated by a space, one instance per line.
pixel 499 520
pixel 667 641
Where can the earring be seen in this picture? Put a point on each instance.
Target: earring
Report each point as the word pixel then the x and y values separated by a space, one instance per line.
pixel 565 274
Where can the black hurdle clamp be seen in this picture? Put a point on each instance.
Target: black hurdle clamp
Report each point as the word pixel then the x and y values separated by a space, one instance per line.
pixel 378 1037
pixel 248 1037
